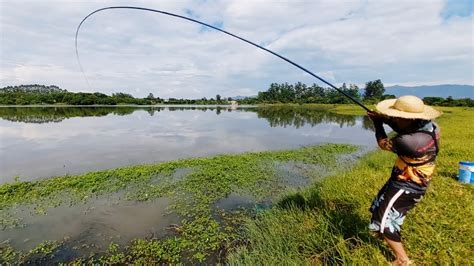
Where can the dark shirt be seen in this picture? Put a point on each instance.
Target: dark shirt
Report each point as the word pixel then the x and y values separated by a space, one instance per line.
pixel 416 152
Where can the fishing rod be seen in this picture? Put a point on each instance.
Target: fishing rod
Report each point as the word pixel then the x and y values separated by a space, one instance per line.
pixel 218 29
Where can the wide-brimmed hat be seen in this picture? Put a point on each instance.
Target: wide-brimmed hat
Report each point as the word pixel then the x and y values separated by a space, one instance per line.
pixel 410 107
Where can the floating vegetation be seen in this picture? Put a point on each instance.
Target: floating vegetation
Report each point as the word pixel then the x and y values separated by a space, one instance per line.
pixel 200 192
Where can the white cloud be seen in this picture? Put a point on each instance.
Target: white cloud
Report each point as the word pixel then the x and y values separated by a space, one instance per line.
pixel 403 42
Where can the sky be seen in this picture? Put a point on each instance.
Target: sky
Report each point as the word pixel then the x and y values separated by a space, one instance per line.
pixel 404 42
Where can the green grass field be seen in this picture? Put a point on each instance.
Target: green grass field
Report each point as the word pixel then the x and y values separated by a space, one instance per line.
pixel 327 222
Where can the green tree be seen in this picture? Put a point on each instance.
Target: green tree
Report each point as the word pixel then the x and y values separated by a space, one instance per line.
pixel 374 90
pixel 388 96
pixel 353 91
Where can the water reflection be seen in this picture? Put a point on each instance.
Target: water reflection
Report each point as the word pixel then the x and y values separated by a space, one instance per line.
pixel 300 116
pixel 40 142
pixel 41 115
pixel 367 123
pixel 277 116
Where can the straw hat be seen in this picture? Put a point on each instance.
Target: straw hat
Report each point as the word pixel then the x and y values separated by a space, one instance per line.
pixel 408 106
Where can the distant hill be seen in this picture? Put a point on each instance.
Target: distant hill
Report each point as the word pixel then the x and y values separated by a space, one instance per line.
pixel 456 91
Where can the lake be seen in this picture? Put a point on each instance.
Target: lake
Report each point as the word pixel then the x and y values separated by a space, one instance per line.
pixel 41 142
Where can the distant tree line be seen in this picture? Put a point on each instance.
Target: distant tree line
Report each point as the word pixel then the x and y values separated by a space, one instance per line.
pixel 440 101
pixel 204 100
pixel 40 94
pixel 302 93
pixel 374 91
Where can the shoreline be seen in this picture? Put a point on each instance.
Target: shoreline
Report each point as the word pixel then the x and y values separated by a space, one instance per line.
pixel 251 179
pixel 329 217
pixel 130 105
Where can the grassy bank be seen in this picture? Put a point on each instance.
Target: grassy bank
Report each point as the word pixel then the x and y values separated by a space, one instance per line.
pixel 324 223
pixel 327 222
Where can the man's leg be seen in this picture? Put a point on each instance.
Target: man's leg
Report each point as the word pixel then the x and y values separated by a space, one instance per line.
pixel 401 257
pixel 388 212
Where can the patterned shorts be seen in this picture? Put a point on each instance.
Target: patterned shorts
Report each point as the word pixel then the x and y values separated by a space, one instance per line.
pixel 389 209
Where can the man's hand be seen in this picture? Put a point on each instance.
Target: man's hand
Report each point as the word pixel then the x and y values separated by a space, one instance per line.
pixel 376 117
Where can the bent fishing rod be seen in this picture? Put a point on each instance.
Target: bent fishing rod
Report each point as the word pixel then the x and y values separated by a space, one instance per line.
pixel 215 28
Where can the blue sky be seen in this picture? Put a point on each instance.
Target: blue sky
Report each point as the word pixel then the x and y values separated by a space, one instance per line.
pixel 401 42
pixel 457 8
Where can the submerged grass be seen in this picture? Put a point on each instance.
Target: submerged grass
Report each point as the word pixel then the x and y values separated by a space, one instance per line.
pixel 327 222
pixel 202 231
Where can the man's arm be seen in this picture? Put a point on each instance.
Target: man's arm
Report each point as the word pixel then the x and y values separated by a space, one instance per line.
pixel 382 140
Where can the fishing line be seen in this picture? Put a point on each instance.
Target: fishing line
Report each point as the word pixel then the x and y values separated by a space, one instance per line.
pixel 212 27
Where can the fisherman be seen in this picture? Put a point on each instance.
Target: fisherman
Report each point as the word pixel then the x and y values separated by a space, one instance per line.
pixel 416 144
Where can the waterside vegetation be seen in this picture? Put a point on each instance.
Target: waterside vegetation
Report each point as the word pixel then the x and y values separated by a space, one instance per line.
pixel 324 223
pixel 373 91
pixel 276 93
pixel 203 231
pixel 327 222
pixel 48 95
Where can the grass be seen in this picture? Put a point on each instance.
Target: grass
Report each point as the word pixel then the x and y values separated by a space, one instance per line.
pixel 327 222
pixel 41 252
pixel 203 231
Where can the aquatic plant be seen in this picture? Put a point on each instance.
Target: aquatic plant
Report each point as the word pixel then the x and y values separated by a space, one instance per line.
pixel 203 230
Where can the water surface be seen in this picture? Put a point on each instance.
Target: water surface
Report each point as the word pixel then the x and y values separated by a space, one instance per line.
pixel 40 142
